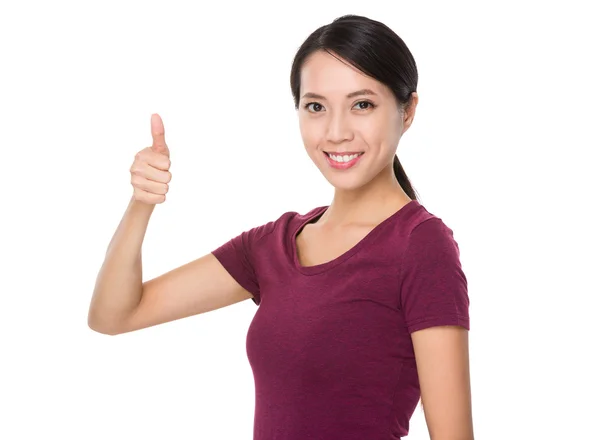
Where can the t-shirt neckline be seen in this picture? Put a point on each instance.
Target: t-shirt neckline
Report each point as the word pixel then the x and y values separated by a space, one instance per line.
pixel 319 268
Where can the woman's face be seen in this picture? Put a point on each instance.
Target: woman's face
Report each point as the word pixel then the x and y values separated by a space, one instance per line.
pixel 336 115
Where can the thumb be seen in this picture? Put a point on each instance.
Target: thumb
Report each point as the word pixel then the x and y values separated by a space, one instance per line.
pixel 158 135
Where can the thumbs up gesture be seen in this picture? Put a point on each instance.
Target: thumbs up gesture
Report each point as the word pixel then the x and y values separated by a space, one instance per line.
pixel 150 175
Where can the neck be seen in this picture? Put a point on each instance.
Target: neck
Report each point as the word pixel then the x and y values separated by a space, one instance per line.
pixel 368 205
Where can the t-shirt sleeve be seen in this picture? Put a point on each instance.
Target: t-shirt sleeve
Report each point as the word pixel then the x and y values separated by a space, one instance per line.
pixel 433 286
pixel 237 258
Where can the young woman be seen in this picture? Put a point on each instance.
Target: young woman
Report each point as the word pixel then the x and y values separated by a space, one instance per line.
pixel 363 303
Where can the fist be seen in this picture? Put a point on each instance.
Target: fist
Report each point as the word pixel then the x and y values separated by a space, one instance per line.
pixel 150 175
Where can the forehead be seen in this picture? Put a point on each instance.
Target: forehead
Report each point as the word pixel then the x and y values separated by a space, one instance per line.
pixel 325 74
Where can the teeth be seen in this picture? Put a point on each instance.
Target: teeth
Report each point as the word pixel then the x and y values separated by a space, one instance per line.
pixel 344 158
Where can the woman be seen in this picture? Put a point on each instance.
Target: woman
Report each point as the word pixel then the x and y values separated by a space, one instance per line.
pixel 363 303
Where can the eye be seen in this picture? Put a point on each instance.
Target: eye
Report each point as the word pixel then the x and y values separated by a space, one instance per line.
pixel 365 102
pixel 311 103
pixel 368 103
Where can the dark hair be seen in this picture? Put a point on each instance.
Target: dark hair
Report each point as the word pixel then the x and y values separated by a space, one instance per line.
pixel 374 49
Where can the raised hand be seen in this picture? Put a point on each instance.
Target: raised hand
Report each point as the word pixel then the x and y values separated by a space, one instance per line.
pixel 150 175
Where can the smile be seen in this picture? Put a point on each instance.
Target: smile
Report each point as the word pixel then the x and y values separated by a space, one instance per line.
pixel 343 162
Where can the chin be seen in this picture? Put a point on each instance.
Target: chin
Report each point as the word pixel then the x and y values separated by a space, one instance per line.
pixel 345 184
pixel 345 180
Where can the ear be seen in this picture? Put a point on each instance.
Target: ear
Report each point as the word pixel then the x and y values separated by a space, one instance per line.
pixel 409 113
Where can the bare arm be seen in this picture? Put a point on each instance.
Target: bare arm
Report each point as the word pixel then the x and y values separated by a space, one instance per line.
pixel 197 287
pixel 442 355
pixel 121 302
pixel 118 288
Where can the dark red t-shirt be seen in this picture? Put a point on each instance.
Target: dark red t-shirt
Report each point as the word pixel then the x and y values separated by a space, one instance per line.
pixel 330 346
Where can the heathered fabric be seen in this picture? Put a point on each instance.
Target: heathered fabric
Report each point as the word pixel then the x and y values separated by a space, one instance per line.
pixel 330 346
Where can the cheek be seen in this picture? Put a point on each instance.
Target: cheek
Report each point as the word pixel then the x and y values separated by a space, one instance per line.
pixel 382 134
pixel 375 136
pixel 310 135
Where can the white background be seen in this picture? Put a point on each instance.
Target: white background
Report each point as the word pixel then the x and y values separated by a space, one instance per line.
pixel 501 149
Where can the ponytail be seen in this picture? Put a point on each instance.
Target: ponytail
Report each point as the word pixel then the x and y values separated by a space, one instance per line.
pixel 403 179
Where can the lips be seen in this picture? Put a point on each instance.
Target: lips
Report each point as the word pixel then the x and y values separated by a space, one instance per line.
pixel 345 153
pixel 343 165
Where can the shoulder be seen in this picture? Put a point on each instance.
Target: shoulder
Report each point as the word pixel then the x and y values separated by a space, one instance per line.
pixel 431 231
pixel 431 240
pixel 429 248
pixel 282 225
pixel 421 231
pixel 433 286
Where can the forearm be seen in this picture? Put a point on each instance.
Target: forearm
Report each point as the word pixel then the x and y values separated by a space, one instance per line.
pixel 118 288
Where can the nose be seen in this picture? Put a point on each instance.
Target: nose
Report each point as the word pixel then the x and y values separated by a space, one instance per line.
pixel 339 129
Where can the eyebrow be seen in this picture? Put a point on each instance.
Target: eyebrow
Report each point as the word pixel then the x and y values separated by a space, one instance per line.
pixel 349 95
